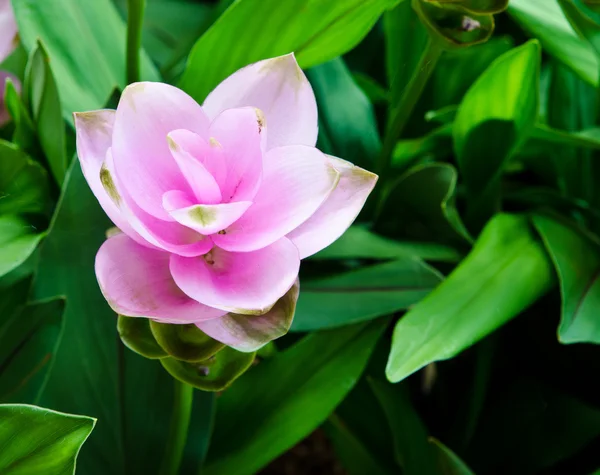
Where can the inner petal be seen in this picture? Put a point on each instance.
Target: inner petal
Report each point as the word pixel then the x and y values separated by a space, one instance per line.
pixel 204 218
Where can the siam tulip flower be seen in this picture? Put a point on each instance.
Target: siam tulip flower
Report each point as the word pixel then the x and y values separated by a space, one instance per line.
pixel 8 30
pixel 4 116
pixel 217 203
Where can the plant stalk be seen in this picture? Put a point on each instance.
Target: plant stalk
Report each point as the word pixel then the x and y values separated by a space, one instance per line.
pixel 401 113
pixel 135 18
pixel 178 430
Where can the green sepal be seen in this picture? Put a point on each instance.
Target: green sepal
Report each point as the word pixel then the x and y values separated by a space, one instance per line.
pixel 453 28
pixel 136 335
pixel 214 374
pixel 185 342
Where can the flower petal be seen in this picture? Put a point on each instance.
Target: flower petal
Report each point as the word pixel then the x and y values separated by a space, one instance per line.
pixel 249 333
pixel 147 112
pixel 239 133
pixel 136 282
pixel 8 29
pixel 248 283
pixel 94 132
pixel 296 181
pixel 205 219
pixel 279 88
pixel 167 235
pixel 186 148
pixel 337 213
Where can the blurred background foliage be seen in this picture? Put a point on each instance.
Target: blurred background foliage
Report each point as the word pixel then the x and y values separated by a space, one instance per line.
pixel 451 330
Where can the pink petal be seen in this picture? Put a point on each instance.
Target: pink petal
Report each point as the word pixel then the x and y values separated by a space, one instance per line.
pixel 205 219
pixel 279 88
pixel 337 213
pixel 248 334
pixel 248 283
pixel 8 30
pixel 296 180
pixel 239 132
pixel 94 135
pixel 136 282
pixel 167 235
pixel 147 112
pixel 185 146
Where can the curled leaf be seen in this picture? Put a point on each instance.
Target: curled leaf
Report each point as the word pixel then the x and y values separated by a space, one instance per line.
pixel 185 342
pixel 136 335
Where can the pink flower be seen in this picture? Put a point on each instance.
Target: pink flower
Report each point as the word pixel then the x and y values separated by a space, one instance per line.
pixel 8 29
pixel 4 115
pixel 217 203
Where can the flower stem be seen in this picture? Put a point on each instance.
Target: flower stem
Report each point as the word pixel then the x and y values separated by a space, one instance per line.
pixel 401 113
pixel 178 430
pixel 135 18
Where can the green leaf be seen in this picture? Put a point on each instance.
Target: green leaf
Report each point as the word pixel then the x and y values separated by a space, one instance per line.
pixel 305 383
pixel 577 262
pixel 18 240
pixel 447 461
pixel 93 372
pixel 184 342
pixel 86 46
pixel 355 457
pixel 545 20
pixel 40 90
pixel 363 294
pixel 38 440
pixel 436 145
pixel 24 134
pixel 451 27
pixel 29 337
pixel 413 452
pixel 345 114
pixel 372 89
pixel 533 426
pixel 359 243
pixel 421 204
pixel 315 31
pixel 584 20
pixel 474 6
pixel 23 182
pixel 495 125
pixel 214 374
pixel 512 271
pixel 136 335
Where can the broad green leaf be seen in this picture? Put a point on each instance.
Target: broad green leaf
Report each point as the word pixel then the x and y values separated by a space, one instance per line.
pixel 571 108
pixel 512 271
pixel 315 31
pixel 495 125
pixel 545 20
pixel 37 440
pixel 363 294
pixel 436 145
pixel 448 462
pixel 353 454
pixel 413 452
pixel 86 46
pixel 23 182
pixel 29 337
pixel 184 342
pixel 346 116
pixel 359 243
pixel 18 240
pixel 136 335
pixel 283 399
pixel 577 262
pixel 533 426
pixel 216 373
pixel 420 204
pixel 584 20
pixel 40 90
pixel 93 372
